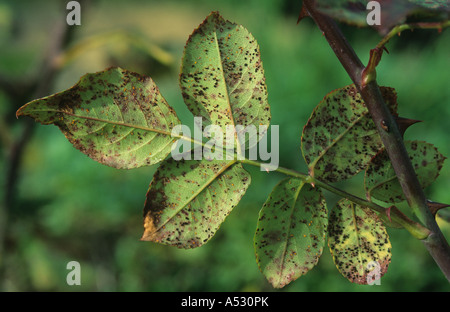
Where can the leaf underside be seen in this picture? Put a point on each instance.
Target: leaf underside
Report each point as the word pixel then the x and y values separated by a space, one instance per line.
pixel 381 181
pixel 358 242
pixel 340 137
pixel 116 117
pixel 291 229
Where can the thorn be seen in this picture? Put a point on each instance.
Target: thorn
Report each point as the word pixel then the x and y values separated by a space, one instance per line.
pixel 388 213
pixel 435 207
pixel 303 13
pixel 404 123
pixel 310 178
pixel 311 181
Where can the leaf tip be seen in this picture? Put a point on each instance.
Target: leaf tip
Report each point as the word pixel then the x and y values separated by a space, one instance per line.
pixel 19 112
pixel 149 229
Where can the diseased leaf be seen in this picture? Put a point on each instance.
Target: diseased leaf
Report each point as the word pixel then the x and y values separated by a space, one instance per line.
pixel 116 117
pixel 392 12
pixel 222 80
pixel 358 242
pixel 340 137
pixel 381 181
pixel 188 200
pixel 222 77
pixel 291 229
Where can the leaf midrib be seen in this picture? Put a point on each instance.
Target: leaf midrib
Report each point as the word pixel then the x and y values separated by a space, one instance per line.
pixel 109 122
pixel 288 237
pixel 193 196
pixel 336 140
pixel 230 112
pixel 357 234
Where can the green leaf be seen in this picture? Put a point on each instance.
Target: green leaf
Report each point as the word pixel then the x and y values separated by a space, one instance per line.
pixel 381 181
pixel 291 229
pixel 116 117
pixel 392 13
pixel 222 78
pixel 188 200
pixel 358 242
pixel 340 137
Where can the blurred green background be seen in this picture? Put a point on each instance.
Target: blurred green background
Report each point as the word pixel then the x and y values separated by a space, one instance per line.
pixel 58 205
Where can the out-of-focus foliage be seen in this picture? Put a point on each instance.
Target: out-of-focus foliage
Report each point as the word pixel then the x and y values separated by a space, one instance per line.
pixel 392 13
pixel 68 207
